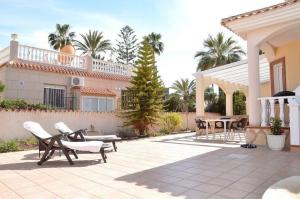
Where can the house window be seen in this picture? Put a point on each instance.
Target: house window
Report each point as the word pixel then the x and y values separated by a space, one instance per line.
pixel 54 96
pixel 97 104
pixel 277 74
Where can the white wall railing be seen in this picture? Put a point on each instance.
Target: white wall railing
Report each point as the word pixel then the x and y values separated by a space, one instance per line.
pixel 4 55
pixel 16 51
pixel 268 108
pixel 33 54
pixel 110 67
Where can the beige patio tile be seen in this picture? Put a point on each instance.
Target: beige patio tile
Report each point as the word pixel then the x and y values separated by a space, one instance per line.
pixel 3 187
pixel 170 179
pixel 211 173
pixel 208 188
pixel 243 186
pixel 231 176
pixel 118 195
pixel 260 190
pixel 40 194
pixel 150 168
pixel 232 193
pixel 173 189
pixel 217 197
pixel 8 194
pixel 220 181
pixel 253 196
pixel 199 177
pixel 181 174
pixel 251 180
pixel 29 190
pixel 187 183
pixel 194 194
pixel 99 190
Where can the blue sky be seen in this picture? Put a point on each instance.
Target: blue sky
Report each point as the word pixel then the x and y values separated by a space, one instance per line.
pixel 184 24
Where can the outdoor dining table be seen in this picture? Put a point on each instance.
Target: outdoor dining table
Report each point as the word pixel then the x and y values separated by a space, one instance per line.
pixel 218 120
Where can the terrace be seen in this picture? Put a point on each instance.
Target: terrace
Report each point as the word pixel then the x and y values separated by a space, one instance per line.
pixel 173 166
pixel 30 54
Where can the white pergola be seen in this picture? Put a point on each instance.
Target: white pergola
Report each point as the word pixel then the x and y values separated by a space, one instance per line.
pixel 237 72
pixel 230 77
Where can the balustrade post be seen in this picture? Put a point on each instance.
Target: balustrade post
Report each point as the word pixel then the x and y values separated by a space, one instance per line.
pixel 88 65
pixel 14 44
pixel 281 113
pixel 294 124
pixel 263 112
pixel 272 107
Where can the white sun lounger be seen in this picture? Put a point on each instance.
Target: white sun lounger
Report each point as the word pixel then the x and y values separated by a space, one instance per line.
pixel 81 135
pixel 56 142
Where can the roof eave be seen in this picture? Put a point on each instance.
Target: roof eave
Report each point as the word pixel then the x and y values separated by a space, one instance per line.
pixel 243 23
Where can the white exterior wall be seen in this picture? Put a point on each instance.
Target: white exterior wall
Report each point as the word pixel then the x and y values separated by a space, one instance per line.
pixel 106 123
pixel 29 84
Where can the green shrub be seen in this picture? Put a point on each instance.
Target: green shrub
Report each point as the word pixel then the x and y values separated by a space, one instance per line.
pixel 31 141
pixel 239 103
pixel 127 133
pixel 21 104
pixel 170 122
pixel 276 124
pixel 38 107
pixel 8 146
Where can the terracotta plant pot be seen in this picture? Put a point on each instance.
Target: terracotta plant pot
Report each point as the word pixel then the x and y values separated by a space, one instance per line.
pixel 64 58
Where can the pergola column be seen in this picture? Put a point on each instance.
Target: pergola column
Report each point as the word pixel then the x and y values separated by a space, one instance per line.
pixel 200 95
pixel 247 104
pixel 254 84
pixel 229 103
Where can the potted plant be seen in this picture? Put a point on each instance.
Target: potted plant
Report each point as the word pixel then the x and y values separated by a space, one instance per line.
pixel 276 140
pixel 62 40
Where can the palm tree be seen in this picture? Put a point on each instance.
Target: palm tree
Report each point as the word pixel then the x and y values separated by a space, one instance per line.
pixel 93 43
pixel 154 40
pixel 186 90
pixel 61 37
pixel 218 51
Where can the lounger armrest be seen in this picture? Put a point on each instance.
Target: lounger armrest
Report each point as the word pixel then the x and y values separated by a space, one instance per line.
pixel 79 134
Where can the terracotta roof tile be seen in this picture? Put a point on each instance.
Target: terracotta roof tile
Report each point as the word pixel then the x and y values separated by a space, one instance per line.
pixel 67 71
pixel 259 11
pixel 96 92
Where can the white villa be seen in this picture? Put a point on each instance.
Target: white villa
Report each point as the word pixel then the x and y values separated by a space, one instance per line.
pixel 276 31
pixel 61 80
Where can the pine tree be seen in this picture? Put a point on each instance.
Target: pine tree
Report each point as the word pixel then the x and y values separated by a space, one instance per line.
pixel 127 46
pixel 147 91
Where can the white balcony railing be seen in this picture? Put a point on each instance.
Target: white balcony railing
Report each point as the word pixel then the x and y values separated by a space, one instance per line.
pixel 33 54
pixel 268 109
pixel 4 55
pixel 110 67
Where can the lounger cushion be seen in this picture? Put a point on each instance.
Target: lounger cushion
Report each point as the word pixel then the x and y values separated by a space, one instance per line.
pixel 90 146
pixel 101 137
pixel 65 129
pixel 36 129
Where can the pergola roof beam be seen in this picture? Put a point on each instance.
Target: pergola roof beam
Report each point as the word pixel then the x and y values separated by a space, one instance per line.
pixel 237 72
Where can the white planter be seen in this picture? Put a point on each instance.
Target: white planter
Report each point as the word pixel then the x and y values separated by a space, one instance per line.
pixel 276 142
